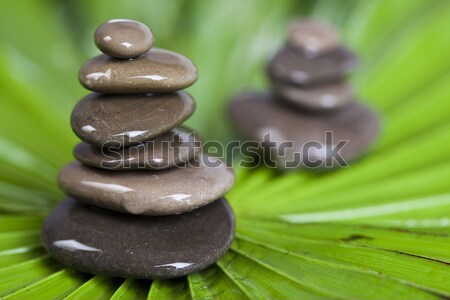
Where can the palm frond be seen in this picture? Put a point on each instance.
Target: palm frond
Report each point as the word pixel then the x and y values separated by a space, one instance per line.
pixel 379 229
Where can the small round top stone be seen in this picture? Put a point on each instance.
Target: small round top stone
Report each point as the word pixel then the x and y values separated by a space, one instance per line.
pixel 313 36
pixel 122 38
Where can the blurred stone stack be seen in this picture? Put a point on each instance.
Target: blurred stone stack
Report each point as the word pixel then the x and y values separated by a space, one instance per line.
pixel 311 105
pixel 144 201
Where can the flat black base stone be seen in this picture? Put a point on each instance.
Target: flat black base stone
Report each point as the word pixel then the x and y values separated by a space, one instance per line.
pixel 98 241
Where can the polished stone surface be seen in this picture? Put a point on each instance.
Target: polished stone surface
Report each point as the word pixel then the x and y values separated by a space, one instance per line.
pixel 256 114
pixel 313 37
pixel 129 119
pixel 317 98
pixel 291 65
pixel 122 38
pixel 103 242
pixel 177 146
pixel 157 71
pixel 160 192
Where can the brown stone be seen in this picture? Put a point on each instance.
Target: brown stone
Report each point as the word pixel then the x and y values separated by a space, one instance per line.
pixel 122 38
pixel 177 146
pixel 163 192
pixel 313 37
pixel 317 98
pixel 291 65
pixel 157 71
pixel 256 114
pixel 129 119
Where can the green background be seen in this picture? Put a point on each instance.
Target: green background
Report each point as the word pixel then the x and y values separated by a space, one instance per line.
pixel 377 230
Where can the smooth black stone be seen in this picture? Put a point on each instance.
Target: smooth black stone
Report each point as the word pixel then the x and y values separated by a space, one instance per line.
pixel 291 65
pixel 103 242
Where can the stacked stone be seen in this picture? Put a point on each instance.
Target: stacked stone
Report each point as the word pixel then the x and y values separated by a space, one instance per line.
pixel 144 202
pixel 310 102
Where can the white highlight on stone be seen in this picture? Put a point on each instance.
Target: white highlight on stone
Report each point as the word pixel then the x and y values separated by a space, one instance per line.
pixel 274 133
pixel 98 75
pixel 126 44
pixel 328 100
pixel 177 265
pixel 120 20
pixel 88 128
pixel 299 76
pixel 110 187
pixel 312 44
pixel 73 245
pixel 318 153
pixel 177 197
pixel 107 38
pixel 119 160
pixel 132 134
pixel 152 77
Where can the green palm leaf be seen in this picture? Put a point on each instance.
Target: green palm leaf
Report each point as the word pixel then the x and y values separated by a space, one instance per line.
pixel 377 230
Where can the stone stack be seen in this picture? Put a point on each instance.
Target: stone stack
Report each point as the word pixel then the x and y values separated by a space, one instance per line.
pixel 311 105
pixel 144 202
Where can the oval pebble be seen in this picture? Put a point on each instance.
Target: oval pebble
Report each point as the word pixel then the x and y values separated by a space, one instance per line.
pixel 175 147
pixel 157 71
pixel 161 192
pixel 122 38
pixel 108 243
pixel 256 114
pixel 129 119
pixel 313 37
pixel 317 98
pixel 290 65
